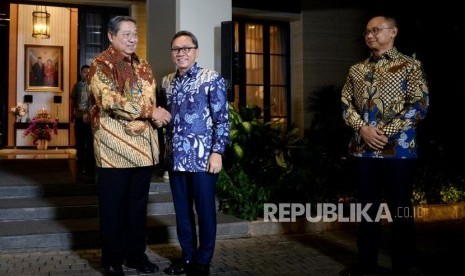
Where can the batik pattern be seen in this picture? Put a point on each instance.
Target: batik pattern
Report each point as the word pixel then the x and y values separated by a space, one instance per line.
pixel 200 118
pixel 389 93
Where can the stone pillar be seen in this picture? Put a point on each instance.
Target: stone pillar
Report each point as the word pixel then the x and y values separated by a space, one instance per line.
pixel 202 18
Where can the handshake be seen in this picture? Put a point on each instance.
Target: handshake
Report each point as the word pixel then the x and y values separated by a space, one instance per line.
pixel 160 116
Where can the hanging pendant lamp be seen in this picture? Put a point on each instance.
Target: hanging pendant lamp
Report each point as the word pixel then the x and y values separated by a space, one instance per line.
pixel 41 22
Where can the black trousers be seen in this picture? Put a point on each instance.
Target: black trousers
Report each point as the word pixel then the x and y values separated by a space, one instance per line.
pixel 84 145
pixel 123 198
pixel 390 180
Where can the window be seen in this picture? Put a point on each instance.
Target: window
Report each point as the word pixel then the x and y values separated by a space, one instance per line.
pixel 93 31
pixel 261 69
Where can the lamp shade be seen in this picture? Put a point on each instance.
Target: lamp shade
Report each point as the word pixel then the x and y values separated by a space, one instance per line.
pixel 57 99
pixel 41 22
pixel 27 98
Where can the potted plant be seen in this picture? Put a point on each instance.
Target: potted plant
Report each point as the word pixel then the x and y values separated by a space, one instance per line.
pixel 19 111
pixel 40 129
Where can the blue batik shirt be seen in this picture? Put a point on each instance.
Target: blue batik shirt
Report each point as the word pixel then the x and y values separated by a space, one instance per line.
pixel 200 118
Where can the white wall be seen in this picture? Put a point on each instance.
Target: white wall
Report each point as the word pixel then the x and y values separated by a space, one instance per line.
pixel 161 27
pixel 203 19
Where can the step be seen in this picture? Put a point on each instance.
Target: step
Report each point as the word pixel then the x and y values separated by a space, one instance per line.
pixel 83 233
pixel 47 190
pixel 70 207
pixel 37 171
pixel 45 205
pixel 49 175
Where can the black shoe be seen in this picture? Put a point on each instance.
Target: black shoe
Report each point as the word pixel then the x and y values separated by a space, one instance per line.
pixel 114 270
pixel 143 265
pixel 179 268
pixel 202 270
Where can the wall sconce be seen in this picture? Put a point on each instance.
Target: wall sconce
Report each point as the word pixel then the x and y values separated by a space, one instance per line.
pixel 41 22
pixel 57 102
pixel 27 100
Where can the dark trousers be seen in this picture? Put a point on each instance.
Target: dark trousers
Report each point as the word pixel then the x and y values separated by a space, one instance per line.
pixel 394 177
pixel 189 188
pixel 123 197
pixel 84 145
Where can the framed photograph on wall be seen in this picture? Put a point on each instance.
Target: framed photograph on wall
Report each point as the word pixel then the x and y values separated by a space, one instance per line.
pixel 43 69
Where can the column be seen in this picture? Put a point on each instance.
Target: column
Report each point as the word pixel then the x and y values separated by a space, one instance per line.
pixel 202 18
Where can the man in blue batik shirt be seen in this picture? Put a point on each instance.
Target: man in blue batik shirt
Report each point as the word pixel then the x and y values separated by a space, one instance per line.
pixel 196 138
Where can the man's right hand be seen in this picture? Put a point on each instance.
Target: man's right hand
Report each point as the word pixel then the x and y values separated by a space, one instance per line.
pixel 375 138
pixel 161 116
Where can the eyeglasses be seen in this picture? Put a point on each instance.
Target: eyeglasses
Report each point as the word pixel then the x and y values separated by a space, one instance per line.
pixel 184 50
pixel 375 30
pixel 129 35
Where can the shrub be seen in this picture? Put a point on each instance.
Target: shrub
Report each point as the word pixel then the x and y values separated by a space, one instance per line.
pixel 254 163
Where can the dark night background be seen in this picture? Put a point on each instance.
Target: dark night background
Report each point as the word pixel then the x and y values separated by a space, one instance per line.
pixel 436 36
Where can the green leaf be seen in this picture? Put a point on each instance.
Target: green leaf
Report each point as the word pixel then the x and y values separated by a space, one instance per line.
pixel 247 126
pixel 238 151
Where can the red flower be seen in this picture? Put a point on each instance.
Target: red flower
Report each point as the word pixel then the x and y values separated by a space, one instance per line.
pixel 41 127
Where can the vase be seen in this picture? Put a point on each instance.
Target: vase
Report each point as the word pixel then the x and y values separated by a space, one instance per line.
pixel 42 144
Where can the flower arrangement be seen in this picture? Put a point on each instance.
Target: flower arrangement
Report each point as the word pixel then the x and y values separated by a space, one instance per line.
pixel 19 111
pixel 41 127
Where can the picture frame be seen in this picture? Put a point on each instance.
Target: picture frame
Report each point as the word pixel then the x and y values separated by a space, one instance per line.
pixel 43 68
